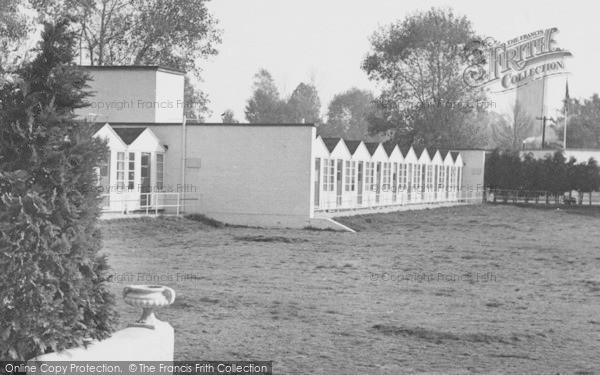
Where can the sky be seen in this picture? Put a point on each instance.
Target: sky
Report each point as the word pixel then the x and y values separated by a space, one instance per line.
pixel 325 41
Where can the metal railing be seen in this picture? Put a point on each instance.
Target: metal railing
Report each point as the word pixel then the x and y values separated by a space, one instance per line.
pixel 141 202
pixel 370 201
pixel 540 197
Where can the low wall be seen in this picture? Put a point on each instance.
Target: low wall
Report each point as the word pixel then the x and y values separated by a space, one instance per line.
pixel 129 344
pixel 148 339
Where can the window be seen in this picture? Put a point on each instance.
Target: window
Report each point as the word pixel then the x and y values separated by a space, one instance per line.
pixel 339 181
pixel 409 176
pixel 429 178
pixel 378 182
pixel 417 177
pixel 350 176
pixel 369 175
pixel 441 177
pixel 120 170
pixel 328 175
pixel 131 173
pixel 160 159
pixel 402 175
pixel 386 175
pixel 104 169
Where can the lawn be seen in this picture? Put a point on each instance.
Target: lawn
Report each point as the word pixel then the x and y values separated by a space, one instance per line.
pixel 471 289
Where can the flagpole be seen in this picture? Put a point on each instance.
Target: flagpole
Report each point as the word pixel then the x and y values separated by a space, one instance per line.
pixel 566 114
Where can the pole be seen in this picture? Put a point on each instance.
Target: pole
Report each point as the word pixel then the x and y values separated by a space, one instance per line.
pixel 566 113
pixel 183 158
pixel 565 135
pixel 543 132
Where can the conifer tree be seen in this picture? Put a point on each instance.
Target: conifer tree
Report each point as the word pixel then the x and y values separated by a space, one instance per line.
pixel 53 291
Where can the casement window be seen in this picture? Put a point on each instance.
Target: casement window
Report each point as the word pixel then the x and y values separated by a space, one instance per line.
pixel 328 175
pixel 441 177
pixel 120 170
pixel 369 174
pixel 386 175
pixel 104 170
pixel 402 175
pixel 417 176
pixel 131 171
pixel 350 176
pixel 429 178
pixel 160 160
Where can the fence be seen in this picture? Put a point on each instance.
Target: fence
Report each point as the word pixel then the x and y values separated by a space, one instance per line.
pixel 141 202
pixel 399 201
pixel 540 197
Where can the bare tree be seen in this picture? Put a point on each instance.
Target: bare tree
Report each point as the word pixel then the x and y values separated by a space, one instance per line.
pixel 512 128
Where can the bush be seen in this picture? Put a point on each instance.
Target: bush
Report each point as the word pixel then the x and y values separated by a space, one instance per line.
pixel 52 280
pixel 554 174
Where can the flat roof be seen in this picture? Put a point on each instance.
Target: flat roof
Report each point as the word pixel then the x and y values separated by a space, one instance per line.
pixel 205 124
pixel 133 67
pixel 561 149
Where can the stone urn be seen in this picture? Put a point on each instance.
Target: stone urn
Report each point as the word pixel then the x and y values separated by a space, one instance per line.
pixel 148 297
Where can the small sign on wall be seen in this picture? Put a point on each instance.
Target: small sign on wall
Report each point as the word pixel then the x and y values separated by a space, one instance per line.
pixel 193 162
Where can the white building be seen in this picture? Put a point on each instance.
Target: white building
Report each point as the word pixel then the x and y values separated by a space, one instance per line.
pixel 276 175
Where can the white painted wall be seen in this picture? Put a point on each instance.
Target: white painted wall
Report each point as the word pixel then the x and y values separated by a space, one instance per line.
pixel 129 94
pixel 256 175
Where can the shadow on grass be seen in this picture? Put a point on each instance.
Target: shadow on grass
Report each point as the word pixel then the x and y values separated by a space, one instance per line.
pixel 206 220
pixel 439 337
pixel 261 238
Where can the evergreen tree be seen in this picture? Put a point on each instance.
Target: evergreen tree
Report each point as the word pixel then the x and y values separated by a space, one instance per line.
pixel 52 279
pixel 304 104
pixel 265 106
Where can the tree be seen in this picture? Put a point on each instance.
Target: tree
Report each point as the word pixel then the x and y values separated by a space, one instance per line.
pixel 171 33
pixel 229 117
pixel 348 114
pixel 511 129
pixel 196 102
pixel 265 106
pixel 583 129
pixel 592 178
pixel 304 104
pixel 52 279
pixel 420 63
pixel 15 27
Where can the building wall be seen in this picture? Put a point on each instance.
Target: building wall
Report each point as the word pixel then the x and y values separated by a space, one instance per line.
pixel 169 91
pixel 256 175
pixel 141 95
pixel 473 169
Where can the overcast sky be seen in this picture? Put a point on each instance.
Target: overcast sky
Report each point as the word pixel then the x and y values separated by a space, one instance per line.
pixel 326 40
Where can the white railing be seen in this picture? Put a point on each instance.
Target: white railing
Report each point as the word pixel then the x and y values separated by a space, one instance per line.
pixel 144 202
pixel 330 202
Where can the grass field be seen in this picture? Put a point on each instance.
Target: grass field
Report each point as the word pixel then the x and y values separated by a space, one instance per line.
pixel 471 289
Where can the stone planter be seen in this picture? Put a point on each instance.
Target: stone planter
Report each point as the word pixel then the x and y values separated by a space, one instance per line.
pixel 148 297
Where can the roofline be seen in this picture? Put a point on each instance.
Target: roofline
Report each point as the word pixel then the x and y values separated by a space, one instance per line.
pixel 469 149
pixel 561 149
pixel 134 67
pixel 207 124
pixel 110 128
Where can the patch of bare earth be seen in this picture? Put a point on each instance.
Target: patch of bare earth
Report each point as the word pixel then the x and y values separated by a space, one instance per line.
pixel 478 289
